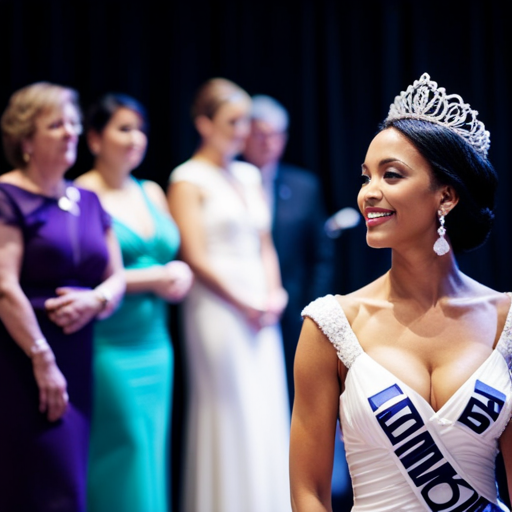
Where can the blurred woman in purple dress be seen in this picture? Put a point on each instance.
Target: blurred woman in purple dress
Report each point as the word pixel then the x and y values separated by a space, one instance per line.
pixel 60 267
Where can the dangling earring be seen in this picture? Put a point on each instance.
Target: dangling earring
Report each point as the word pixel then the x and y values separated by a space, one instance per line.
pixel 26 157
pixel 441 246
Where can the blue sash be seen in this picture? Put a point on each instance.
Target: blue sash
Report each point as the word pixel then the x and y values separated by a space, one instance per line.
pixel 432 477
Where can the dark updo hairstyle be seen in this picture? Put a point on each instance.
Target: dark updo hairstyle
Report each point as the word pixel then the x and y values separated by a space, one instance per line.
pixel 455 162
pixel 101 111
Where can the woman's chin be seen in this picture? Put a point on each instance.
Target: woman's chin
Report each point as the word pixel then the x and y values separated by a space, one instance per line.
pixel 376 242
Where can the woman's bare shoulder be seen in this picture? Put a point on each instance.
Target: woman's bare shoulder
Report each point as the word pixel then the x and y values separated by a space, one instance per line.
pixel 354 302
pixel 11 177
pixel 88 180
pixel 475 293
pixel 480 295
pixel 156 194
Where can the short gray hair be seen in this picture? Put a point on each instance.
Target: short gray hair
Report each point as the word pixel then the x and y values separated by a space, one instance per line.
pixel 265 108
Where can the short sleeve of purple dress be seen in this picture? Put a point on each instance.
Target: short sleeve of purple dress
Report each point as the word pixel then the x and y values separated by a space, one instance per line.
pixel 43 465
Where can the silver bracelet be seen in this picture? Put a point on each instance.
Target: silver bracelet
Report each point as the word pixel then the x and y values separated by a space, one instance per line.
pixel 39 345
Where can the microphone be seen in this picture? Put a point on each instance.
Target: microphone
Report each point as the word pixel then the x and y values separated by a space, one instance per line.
pixel 346 218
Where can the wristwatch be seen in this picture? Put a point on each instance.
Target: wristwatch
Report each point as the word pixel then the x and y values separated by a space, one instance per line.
pixel 105 296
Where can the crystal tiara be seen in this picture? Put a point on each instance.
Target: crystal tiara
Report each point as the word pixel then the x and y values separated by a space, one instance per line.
pixel 425 101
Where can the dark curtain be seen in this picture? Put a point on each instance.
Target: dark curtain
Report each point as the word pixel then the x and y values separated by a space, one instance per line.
pixel 336 65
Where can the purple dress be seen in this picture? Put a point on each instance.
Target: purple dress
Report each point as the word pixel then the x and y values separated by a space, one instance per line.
pixel 43 465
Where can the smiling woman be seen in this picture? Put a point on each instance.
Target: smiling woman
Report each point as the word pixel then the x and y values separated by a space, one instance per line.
pixel 399 193
pixel 133 358
pixel 420 356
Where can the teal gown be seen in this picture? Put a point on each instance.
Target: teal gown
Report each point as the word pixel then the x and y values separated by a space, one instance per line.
pixel 133 374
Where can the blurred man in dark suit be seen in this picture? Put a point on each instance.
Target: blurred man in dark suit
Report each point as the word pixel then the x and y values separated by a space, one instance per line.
pixel 295 199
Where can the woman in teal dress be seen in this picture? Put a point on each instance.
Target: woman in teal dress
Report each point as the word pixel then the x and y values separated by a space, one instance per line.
pixel 133 356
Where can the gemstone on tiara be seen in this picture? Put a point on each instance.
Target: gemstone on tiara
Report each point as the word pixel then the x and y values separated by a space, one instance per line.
pixel 426 101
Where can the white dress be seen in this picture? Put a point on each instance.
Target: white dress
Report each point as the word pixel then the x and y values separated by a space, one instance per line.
pixel 236 458
pixel 404 456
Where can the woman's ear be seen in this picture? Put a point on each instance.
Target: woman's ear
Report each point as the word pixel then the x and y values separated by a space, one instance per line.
pixel 203 125
pixel 26 146
pixel 94 142
pixel 449 199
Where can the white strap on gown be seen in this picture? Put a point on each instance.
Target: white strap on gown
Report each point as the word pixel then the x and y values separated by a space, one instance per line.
pixel 403 455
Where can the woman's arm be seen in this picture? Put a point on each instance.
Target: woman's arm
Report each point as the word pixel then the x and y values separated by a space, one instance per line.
pixel 185 206
pixel 277 296
pixel 171 281
pixel 315 413
pixel 114 285
pixel 20 321
pixel 506 451
pixel 73 308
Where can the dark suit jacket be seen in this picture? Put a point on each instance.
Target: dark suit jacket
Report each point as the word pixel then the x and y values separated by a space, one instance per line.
pixel 306 254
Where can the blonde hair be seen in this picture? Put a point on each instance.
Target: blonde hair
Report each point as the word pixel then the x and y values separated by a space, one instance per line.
pixel 25 105
pixel 213 94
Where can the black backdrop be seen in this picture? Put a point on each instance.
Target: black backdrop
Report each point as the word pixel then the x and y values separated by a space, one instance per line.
pixel 335 64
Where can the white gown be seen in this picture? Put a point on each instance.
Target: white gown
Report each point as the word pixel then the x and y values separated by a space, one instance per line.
pixel 236 458
pixel 404 456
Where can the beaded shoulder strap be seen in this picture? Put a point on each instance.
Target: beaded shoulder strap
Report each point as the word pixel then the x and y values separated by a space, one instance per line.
pixel 327 313
pixel 504 346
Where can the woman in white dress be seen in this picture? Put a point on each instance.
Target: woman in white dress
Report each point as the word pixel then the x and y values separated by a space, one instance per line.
pixel 238 420
pixel 421 356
